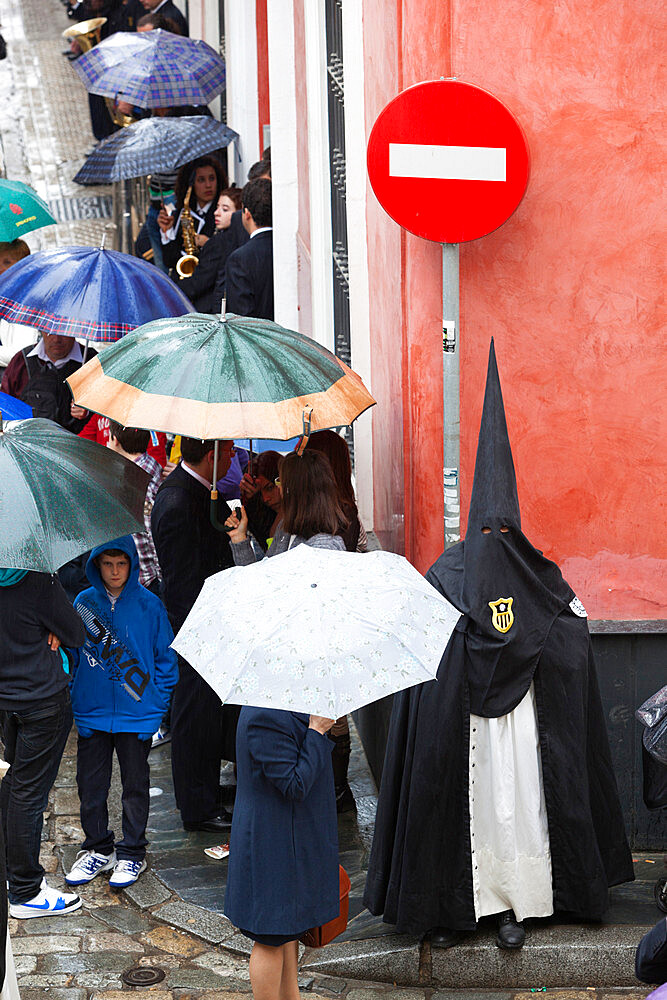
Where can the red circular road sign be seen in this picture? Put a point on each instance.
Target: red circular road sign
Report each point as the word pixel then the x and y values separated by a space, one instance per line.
pixel 448 161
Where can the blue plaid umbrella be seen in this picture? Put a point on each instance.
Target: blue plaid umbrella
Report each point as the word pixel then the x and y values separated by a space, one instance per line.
pixel 87 292
pixel 154 69
pixel 153 144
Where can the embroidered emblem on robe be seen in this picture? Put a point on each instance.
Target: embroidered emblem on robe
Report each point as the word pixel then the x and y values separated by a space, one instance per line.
pixel 503 616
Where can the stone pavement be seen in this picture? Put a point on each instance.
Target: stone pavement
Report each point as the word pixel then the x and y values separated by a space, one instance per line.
pixel 171 921
pixel 45 126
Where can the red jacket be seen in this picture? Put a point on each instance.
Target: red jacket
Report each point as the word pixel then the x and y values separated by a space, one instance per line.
pixel 97 429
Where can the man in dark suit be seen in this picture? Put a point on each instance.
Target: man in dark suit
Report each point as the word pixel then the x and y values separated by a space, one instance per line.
pixel 189 550
pixel 168 9
pixel 651 957
pixel 206 287
pixel 250 268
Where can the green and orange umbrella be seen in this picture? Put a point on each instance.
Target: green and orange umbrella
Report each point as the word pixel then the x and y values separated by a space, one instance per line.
pixel 226 377
pixel 209 377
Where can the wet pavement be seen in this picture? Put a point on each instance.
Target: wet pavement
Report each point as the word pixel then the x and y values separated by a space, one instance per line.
pixel 171 921
pixel 44 126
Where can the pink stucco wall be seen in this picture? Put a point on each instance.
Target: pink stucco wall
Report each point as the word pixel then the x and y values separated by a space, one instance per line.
pixel 570 287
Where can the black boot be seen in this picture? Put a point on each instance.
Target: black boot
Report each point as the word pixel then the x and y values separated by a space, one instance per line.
pixel 341 759
pixel 510 933
pixel 444 937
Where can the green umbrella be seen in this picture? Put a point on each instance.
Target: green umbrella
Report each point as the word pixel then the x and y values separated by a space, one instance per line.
pixel 214 377
pixel 21 210
pixel 61 495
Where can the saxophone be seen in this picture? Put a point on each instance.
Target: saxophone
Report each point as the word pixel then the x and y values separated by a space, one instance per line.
pixel 188 262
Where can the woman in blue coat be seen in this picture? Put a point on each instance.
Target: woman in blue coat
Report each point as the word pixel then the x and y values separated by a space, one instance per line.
pixel 283 864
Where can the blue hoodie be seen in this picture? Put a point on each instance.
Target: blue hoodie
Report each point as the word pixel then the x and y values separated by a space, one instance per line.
pixel 124 673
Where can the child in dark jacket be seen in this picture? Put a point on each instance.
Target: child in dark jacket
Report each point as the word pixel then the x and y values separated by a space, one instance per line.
pixel 121 682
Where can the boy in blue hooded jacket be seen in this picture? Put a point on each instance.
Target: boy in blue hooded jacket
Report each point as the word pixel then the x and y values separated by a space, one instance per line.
pixel 121 681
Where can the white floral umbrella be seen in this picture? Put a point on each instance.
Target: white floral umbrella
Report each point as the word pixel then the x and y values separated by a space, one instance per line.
pixel 329 631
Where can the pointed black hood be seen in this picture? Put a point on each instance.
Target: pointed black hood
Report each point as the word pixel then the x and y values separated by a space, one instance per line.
pixel 508 593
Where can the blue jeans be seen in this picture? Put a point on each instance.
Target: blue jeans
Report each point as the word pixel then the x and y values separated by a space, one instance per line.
pixel 154 231
pixel 93 778
pixel 34 743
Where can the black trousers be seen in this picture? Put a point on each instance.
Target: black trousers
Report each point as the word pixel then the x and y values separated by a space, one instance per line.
pixel 196 746
pixel 93 778
pixel 34 742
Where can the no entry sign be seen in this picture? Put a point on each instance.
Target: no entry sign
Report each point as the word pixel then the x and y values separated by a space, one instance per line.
pixel 448 161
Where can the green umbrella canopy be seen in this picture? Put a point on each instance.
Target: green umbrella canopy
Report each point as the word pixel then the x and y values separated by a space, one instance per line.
pixel 61 495
pixel 21 210
pixel 210 377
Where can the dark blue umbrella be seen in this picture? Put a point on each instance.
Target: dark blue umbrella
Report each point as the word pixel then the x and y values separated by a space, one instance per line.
pixel 13 409
pixel 154 69
pixel 88 292
pixel 153 144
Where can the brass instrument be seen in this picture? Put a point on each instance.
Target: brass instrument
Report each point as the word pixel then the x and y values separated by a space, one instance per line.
pixel 118 117
pixel 187 263
pixel 86 34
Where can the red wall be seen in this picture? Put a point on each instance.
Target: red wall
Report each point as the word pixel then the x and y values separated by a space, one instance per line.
pixel 262 68
pixel 570 287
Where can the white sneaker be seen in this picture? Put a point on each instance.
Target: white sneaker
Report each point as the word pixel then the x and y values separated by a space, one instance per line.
pixel 126 873
pixel 88 864
pixel 48 902
pixel 160 737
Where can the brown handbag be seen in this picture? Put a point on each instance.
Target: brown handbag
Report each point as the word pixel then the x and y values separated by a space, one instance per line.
pixel 317 937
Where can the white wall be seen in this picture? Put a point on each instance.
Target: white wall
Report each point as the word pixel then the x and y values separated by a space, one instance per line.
pixel 241 63
pixel 284 167
pixel 322 310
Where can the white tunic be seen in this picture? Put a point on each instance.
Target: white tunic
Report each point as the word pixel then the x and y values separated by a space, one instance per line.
pixel 511 859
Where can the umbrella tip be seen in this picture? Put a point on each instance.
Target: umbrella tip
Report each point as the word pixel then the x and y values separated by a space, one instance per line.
pixel 223 310
pixel 104 239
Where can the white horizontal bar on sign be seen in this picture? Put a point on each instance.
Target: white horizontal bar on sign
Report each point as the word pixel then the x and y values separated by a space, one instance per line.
pixel 448 163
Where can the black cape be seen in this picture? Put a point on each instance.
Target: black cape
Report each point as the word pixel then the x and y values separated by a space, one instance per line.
pixel 520 624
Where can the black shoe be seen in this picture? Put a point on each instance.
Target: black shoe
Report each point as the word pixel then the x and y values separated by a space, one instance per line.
pixel 345 800
pixel 510 933
pixel 443 937
pixel 215 825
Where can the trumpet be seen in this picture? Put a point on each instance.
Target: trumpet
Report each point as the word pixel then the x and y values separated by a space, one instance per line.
pixel 187 263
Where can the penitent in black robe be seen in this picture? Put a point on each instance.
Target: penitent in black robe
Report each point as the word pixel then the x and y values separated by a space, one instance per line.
pixel 520 624
pixel 420 872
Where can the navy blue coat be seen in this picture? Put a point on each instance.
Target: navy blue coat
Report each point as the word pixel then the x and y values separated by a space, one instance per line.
pixel 651 957
pixel 250 278
pixel 283 863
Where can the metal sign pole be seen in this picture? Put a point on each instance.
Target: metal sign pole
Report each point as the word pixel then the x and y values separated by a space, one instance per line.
pixel 450 390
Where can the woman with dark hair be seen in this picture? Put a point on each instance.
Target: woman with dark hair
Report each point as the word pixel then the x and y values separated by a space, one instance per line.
pixel 213 256
pixel 284 829
pixel 262 498
pixel 335 448
pixel 207 179
pixel 310 505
